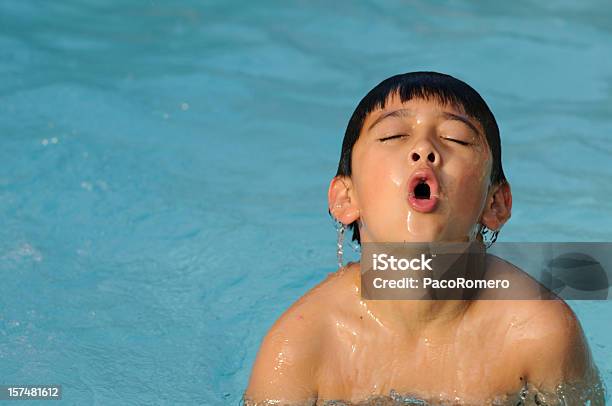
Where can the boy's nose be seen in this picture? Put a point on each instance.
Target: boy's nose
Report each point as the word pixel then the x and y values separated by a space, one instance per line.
pixel 429 154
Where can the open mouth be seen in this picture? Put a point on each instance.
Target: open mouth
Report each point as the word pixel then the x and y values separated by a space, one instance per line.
pixel 423 190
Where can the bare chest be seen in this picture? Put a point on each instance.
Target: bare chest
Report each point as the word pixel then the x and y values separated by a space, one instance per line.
pixel 356 366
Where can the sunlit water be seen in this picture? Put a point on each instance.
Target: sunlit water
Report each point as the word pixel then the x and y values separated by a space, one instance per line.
pixel 165 165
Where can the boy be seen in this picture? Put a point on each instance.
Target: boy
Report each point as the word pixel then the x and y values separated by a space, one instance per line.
pixel 421 162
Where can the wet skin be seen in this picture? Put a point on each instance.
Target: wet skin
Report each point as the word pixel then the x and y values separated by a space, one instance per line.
pixel 331 344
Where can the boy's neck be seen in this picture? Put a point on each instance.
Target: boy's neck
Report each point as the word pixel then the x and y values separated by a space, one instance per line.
pixel 413 315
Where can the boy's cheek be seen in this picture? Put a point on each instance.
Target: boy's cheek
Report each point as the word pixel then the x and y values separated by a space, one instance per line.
pixel 471 195
pixel 467 186
pixel 378 176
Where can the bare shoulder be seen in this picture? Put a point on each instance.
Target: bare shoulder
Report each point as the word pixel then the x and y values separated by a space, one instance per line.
pixel 286 367
pixel 544 335
pixel 522 285
pixel 552 343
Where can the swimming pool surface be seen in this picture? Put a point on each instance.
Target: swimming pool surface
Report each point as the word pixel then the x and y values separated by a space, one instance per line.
pixel 164 168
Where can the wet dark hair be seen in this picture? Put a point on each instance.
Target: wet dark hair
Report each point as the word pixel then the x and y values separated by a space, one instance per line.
pixel 429 86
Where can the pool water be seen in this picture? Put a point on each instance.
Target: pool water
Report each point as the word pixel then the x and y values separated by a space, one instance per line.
pixel 165 167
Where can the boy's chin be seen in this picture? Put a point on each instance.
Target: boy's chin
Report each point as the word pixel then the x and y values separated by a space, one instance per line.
pixel 428 236
pixel 433 238
pixel 415 238
pixel 423 238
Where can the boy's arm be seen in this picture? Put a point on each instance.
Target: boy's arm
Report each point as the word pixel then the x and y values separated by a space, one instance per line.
pixel 286 364
pixel 557 352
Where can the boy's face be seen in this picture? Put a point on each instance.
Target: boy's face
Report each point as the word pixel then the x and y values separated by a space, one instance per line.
pixel 420 172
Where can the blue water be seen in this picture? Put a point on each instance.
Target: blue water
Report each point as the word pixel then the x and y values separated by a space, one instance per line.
pixel 164 168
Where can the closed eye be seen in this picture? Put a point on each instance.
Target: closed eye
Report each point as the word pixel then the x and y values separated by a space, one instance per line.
pixel 392 137
pixel 457 141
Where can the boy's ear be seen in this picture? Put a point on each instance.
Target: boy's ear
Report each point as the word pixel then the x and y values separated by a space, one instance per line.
pixel 341 202
pixel 498 208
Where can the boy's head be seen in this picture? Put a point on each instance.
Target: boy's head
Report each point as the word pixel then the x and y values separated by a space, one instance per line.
pixel 421 161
